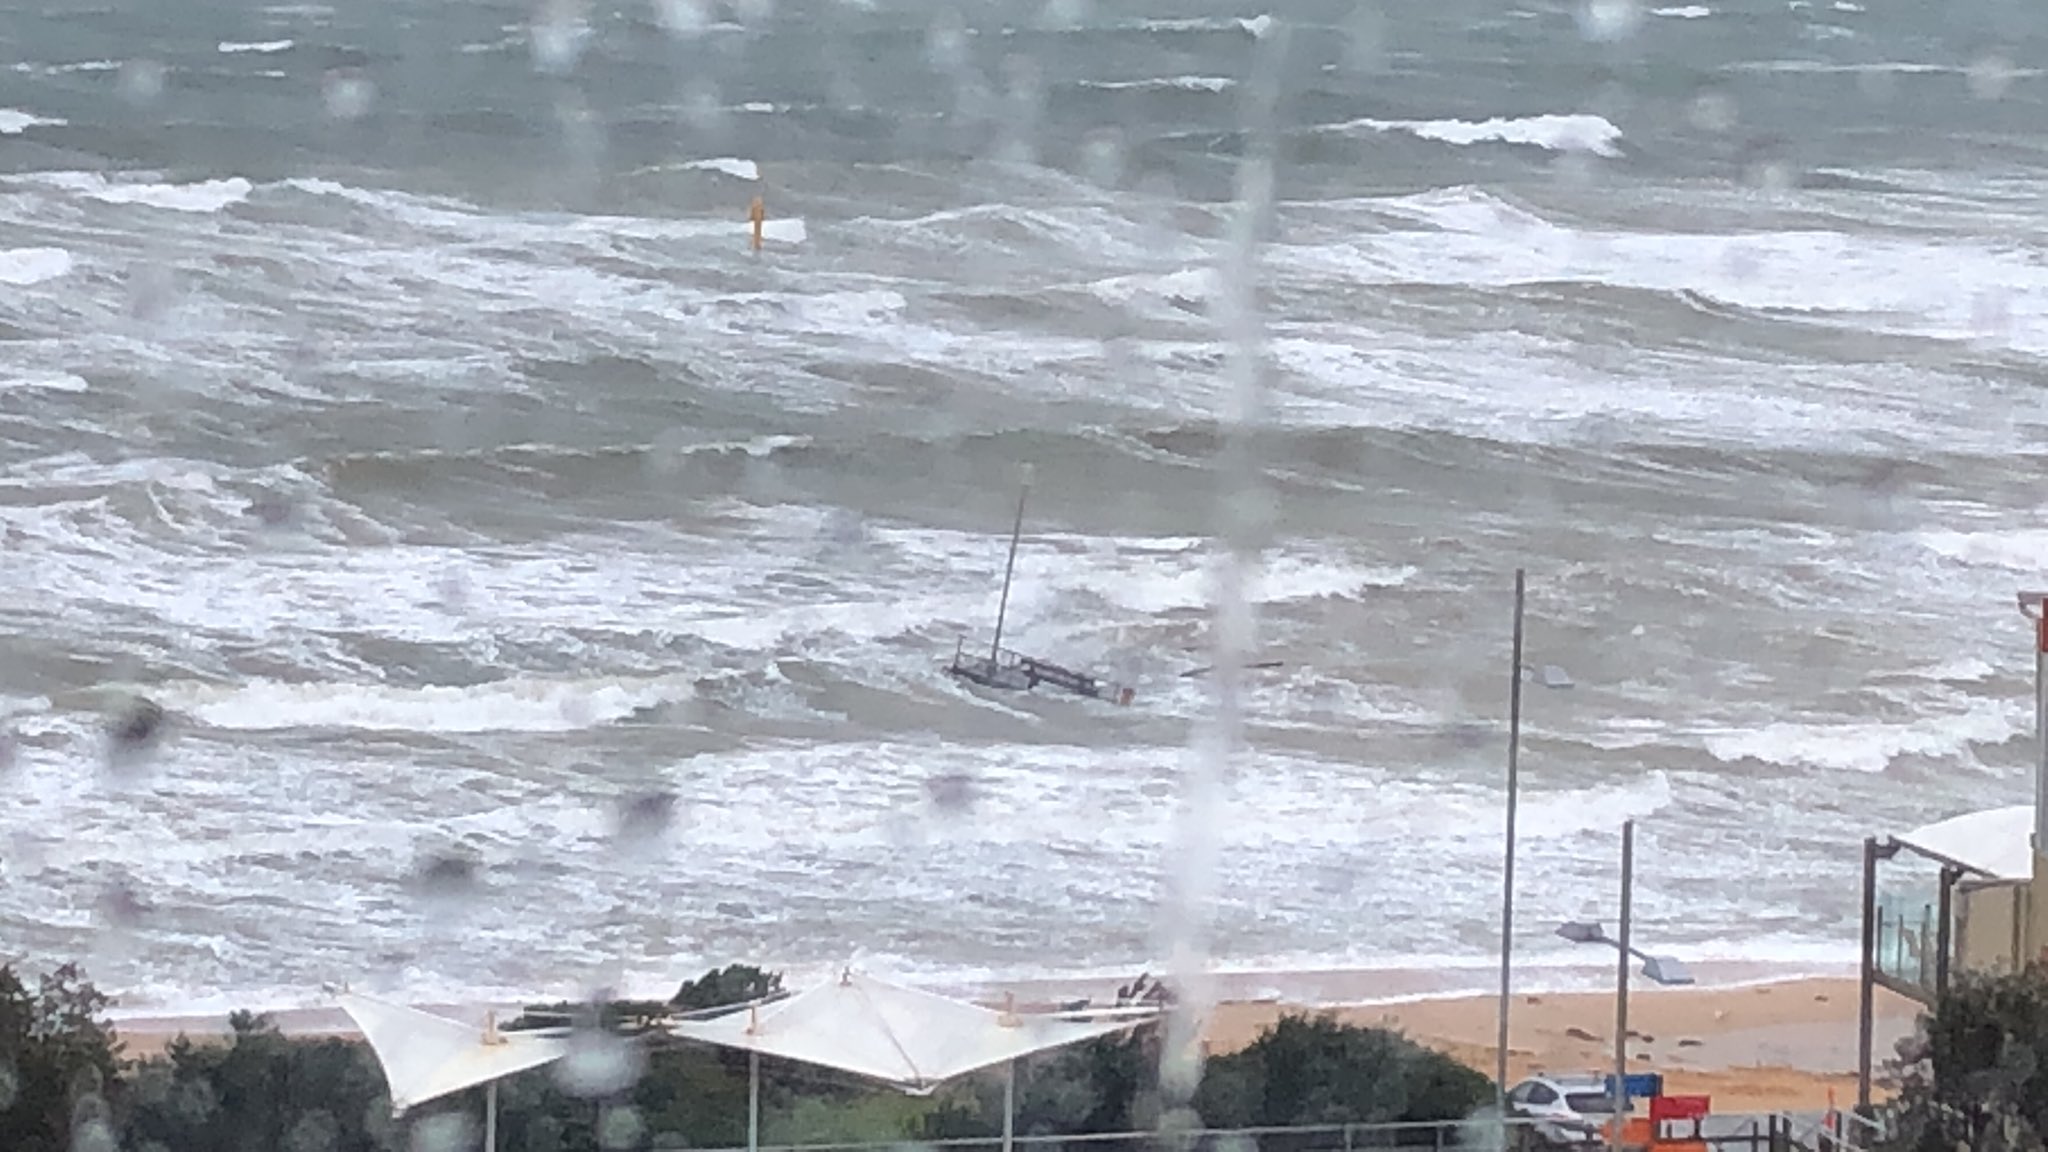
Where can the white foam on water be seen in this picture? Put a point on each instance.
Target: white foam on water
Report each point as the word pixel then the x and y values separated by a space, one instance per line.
pixel 1164 83
pixel 1517 387
pixel 1927 286
pixel 261 47
pixel 71 68
pixel 731 166
pixel 1968 669
pixel 44 381
pixel 1870 746
pixel 1684 12
pixel 2012 550
pixel 1865 67
pixel 13 121
pixel 785 230
pixel 1579 132
pixel 24 266
pixel 519 705
pixel 203 196
pixel 1187 284
pixel 1278 579
pixel 472 223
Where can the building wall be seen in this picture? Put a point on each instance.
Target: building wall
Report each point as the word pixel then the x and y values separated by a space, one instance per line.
pixel 1990 925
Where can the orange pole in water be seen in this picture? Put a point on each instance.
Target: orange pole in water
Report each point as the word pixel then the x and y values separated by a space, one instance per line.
pixel 758 213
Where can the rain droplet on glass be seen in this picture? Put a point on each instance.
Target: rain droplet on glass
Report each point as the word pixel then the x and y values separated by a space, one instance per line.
pixel 597 1064
pixel 1064 15
pixel 446 880
pixel 951 793
pixel 1712 112
pixel 703 106
pixel 447 1132
pixel 945 43
pixel 645 817
pixel 347 93
pixel 92 1129
pixel 619 1127
pixel 135 732
pixel 141 81
pixel 1878 84
pixel 683 18
pixel 1606 21
pixel 1102 157
pixel 1991 314
pixel 1990 76
pixel 1365 40
pixel 558 36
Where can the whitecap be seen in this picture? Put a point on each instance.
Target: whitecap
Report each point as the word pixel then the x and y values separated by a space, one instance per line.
pixel 13 121
pixel 1579 132
pixel 514 705
pixel 731 166
pixel 24 266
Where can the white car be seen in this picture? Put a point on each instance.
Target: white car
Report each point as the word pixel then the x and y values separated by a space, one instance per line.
pixel 1566 1109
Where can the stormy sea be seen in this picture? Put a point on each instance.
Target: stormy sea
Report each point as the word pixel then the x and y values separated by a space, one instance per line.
pixel 545 588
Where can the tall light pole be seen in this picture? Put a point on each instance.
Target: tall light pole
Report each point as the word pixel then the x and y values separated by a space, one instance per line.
pixel 1667 970
pixel 1553 677
pixel 1507 895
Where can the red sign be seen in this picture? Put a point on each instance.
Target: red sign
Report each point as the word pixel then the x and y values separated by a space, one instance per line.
pixel 1664 1108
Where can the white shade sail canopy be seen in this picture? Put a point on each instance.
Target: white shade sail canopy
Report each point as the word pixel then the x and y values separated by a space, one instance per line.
pixel 904 1037
pixel 1995 842
pixel 427 1056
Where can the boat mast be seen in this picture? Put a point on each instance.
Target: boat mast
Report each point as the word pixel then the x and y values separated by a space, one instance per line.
pixel 995 648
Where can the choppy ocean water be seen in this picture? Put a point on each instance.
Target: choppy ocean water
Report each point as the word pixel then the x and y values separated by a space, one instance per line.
pixel 391 393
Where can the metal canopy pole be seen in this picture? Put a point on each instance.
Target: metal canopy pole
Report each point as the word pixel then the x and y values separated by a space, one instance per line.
pixel 1009 1104
pixel 753 1101
pixel 491 1117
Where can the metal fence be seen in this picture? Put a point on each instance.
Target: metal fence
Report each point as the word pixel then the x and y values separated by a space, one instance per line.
pixel 1775 1132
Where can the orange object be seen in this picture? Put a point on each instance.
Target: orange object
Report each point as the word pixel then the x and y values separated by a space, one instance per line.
pixel 758 213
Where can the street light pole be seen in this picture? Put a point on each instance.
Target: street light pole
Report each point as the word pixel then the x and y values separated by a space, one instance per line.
pixel 1507 897
pixel 1628 868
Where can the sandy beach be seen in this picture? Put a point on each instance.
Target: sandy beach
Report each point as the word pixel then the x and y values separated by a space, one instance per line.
pixel 1755 1047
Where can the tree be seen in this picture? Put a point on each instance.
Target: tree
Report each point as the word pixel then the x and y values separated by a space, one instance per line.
pixel 1315 1070
pixel 259 1092
pixel 1977 1075
pixel 59 1061
pixel 733 984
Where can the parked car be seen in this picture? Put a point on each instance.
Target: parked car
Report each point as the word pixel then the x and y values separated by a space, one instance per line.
pixel 1565 1110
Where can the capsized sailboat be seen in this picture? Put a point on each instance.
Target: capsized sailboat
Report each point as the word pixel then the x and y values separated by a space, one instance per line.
pixel 1014 671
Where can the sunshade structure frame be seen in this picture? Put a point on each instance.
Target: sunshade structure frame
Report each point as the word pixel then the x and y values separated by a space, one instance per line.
pixel 886 1033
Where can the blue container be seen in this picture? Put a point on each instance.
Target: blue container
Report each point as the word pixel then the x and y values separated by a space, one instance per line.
pixel 1639 1085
